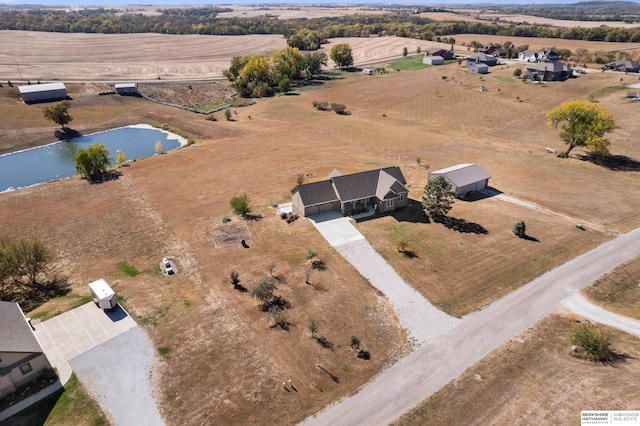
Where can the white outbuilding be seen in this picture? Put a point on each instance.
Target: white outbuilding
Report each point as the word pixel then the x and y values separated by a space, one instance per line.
pixel 127 88
pixel 433 60
pixel 103 296
pixel 463 178
pixel 43 92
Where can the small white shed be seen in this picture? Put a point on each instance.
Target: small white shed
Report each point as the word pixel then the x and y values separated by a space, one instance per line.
pixel 463 178
pixel 103 295
pixel 43 92
pixel 127 88
pixel 433 60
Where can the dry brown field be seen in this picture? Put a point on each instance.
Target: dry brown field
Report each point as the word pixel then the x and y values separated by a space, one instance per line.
pixel 225 364
pixel 518 19
pixel 533 379
pixel 619 290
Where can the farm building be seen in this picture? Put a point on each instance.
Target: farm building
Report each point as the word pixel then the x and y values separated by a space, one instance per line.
pixel 482 59
pixel 126 88
pixel 43 92
pixel 475 68
pixel 548 71
pixel 383 189
pixel 527 55
pixel 444 53
pixel 367 71
pixel 21 356
pixel 433 60
pixel 463 178
pixel 623 66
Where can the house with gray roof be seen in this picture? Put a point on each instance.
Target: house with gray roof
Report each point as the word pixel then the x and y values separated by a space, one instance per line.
pixel 623 66
pixel 548 71
pixel 444 53
pixel 464 178
pixel 384 189
pixel 482 58
pixel 21 356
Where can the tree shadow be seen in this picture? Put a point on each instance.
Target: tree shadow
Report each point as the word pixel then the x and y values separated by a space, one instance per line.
pixel 322 341
pixel 66 133
pixel 619 163
pixel 530 238
pixel 461 225
pixel 336 379
pixel 319 265
pixel 277 302
pixel 255 217
pixel 31 298
pixel 412 213
pixel 410 254
pixel 107 176
pixel 240 288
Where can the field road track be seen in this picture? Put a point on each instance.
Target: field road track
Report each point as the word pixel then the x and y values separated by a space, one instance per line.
pixel 426 370
pixel 577 304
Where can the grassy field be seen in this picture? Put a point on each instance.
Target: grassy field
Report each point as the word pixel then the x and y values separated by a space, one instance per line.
pixel 533 379
pixel 222 363
pixel 619 291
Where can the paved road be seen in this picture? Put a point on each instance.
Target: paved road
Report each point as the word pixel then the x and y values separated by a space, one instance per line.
pixel 577 304
pixel 116 373
pixel 426 370
pixel 416 315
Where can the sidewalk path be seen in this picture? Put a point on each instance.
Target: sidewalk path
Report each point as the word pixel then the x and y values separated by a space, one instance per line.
pixel 577 304
pixel 426 370
pixel 422 320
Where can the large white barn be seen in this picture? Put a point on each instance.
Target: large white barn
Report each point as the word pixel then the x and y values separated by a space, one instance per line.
pixel 43 92
pixel 463 178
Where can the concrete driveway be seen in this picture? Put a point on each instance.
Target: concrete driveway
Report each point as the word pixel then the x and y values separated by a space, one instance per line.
pixel 78 330
pixel 421 319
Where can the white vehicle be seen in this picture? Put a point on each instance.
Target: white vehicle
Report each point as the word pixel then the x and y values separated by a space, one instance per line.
pixel 103 296
pixel 166 263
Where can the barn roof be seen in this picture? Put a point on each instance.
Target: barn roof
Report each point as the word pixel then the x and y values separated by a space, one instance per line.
pixel 126 85
pixel 463 174
pixel 32 88
pixel 16 334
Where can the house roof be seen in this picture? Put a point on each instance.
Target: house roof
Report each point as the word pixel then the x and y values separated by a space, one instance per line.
pixel 528 53
pixel 436 57
pixel 32 88
pixel 463 174
pixel 15 333
pixel 625 64
pixel 381 183
pixel 549 66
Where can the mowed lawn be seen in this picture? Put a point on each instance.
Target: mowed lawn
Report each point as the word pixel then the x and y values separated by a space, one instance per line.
pixel 222 363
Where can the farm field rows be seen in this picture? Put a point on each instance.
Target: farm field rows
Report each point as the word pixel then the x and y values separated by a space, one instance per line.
pixel 225 365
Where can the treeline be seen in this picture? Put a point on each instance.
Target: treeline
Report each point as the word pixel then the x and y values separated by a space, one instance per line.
pixel 205 21
pixel 617 11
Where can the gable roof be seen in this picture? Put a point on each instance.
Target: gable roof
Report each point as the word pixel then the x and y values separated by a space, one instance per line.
pixel 15 333
pixel 463 174
pixel 382 183
pixel 32 88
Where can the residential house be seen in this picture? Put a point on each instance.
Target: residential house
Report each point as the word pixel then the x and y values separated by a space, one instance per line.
pixel 548 56
pixel 433 60
pixel 444 53
pixel 548 71
pixel 464 178
pixel 383 189
pixel 623 66
pixel 21 356
pixel 482 58
pixel 528 56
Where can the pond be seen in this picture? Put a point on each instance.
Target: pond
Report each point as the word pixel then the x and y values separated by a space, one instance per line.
pixel 57 160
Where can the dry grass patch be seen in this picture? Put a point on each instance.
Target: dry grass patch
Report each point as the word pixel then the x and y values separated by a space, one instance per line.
pixel 534 380
pixel 474 258
pixel 619 290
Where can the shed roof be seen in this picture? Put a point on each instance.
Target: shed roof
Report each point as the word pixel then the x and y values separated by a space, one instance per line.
pixel 41 87
pixel 463 174
pixel 126 85
pixel 15 333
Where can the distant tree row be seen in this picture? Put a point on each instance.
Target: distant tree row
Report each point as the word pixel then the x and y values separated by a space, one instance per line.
pixel 205 20
pixel 259 76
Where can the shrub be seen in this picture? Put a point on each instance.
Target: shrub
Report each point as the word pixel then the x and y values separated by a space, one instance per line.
pixel 594 342
pixel 354 343
pixel 234 279
pixel 163 350
pixel 517 72
pixel 339 108
pixel 211 117
pixel 311 254
pixel 240 204
pixel 321 105
pixel 227 114
pixel 226 219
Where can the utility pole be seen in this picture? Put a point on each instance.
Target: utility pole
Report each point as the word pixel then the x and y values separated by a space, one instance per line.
pixel 19 73
pixel 158 69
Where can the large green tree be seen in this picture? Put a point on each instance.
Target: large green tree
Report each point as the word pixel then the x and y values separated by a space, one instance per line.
pixel 25 258
pixel 438 197
pixel 92 163
pixel 58 113
pixel 583 124
pixel 342 55
pixel 305 39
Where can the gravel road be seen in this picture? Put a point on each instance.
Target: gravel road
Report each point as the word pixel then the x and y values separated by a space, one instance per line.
pixel 577 304
pixel 426 370
pixel 116 373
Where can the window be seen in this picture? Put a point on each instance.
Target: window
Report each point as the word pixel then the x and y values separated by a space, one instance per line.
pixel 401 197
pixel 26 368
pixel 389 203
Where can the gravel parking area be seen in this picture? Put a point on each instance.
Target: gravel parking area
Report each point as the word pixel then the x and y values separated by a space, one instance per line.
pixel 116 373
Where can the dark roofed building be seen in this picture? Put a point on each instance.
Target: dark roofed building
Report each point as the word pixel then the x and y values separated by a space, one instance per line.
pixel 382 188
pixel 548 71
pixel 444 53
pixel 21 356
pixel 623 66
pixel 482 58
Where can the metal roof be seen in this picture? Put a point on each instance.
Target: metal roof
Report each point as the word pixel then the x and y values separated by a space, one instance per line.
pixel 462 174
pixel 15 333
pixel 126 85
pixel 46 87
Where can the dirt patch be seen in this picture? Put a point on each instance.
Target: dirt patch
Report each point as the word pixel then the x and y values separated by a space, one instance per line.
pixel 200 97
pixel 226 234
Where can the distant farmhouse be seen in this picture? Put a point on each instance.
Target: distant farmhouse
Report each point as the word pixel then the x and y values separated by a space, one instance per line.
pixel 21 356
pixel 433 60
pixel 126 89
pixel 548 68
pixel 528 56
pixel 464 178
pixel 623 66
pixel 444 53
pixel 43 92
pixel 482 58
pixel 383 189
